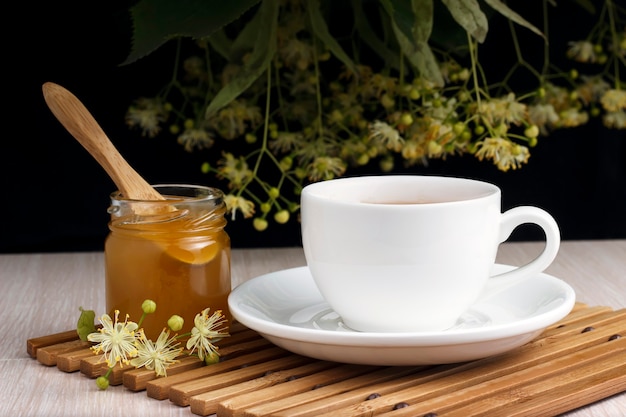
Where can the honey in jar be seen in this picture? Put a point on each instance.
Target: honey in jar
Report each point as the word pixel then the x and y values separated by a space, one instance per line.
pixel 174 252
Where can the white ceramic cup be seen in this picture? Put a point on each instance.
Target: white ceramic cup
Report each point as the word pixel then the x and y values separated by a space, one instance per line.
pixel 409 253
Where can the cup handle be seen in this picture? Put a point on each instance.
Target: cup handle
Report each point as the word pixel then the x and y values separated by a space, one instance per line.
pixel 510 220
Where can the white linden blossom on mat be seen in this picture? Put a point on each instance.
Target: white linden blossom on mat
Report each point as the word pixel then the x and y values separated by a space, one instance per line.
pixel 115 339
pixel 156 356
pixel 206 330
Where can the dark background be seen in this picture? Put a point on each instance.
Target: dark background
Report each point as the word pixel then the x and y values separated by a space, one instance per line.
pixel 55 195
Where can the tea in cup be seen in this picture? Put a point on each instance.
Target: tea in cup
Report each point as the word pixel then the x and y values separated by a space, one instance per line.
pixel 411 253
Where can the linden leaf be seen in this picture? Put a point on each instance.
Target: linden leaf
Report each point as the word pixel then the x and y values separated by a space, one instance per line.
pixel 157 21
pixel 320 29
pixel 413 39
pixel 85 324
pixel 401 15
pixel 468 14
pixel 266 20
pixel 504 10
pixel 369 36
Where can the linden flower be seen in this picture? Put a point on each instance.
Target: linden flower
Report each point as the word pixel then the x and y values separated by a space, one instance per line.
pixel 115 339
pixel 326 168
pixel 582 51
pixel 572 117
pixel 195 138
pixel 614 100
pixel 234 203
pixel 592 89
pixel 615 119
pixel 504 153
pixel 147 114
pixel 503 110
pixel 206 329
pixel 544 116
pixel 236 171
pixel 387 135
pixel 156 356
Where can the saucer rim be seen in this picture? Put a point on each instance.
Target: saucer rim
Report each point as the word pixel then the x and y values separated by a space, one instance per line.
pixel 481 334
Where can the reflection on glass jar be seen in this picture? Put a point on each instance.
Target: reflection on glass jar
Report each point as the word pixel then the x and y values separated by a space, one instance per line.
pixel 175 252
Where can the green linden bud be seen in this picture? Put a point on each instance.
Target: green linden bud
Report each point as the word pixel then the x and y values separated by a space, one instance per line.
pixel 102 382
pixel 281 216
pixel 273 193
pixel 531 131
pixel 205 168
pixel 406 119
pixel 260 224
pixel 293 207
pixel 479 130
pixel 85 324
pixel 541 92
pixel 148 306
pixel 189 123
pixel 386 165
pixel 175 323
pixel 286 163
pixel 174 129
pixel 363 159
pixel 211 358
pixel 265 207
pixel 458 128
pixel 250 138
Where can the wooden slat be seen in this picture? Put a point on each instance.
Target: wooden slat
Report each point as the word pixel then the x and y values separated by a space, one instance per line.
pixel 70 361
pixel 180 393
pixel 236 406
pixel 137 379
pixel 206 403
pixel 32 345
pixel 159 388
pixel 47 355
pixel 330 393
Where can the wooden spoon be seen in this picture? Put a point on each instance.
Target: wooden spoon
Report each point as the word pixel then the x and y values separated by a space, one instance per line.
pixel 81 124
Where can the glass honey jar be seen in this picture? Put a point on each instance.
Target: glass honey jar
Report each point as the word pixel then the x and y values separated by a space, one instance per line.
pixel 173 251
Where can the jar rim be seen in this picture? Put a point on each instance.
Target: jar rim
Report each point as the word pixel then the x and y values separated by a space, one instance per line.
pixel 190 192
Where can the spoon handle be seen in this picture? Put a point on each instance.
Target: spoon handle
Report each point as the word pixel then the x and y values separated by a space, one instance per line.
pixel 75 117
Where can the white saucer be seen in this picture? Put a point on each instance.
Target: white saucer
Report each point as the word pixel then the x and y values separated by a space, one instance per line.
pixel 286 308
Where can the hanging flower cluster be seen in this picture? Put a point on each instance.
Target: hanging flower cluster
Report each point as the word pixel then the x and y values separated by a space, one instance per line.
pixel 125 343
pixel 289 104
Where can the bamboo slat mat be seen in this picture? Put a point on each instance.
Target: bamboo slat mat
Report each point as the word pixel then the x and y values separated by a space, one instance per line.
pixel 575 362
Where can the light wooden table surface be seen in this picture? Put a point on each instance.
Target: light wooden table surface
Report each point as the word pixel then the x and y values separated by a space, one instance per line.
pixel 41 293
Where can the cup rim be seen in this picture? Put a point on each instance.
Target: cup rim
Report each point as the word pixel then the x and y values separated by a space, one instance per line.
pixel 327 190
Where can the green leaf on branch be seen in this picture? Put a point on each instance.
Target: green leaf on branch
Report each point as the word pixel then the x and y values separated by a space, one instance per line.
pixel 85 324
pixel 320 29
pixel 401 15
pixel 157 21
pixel 367 33
pixel 265 21
pixel 468 14
pixel 504 10
pixel 412 28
